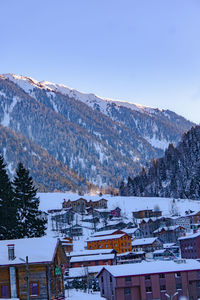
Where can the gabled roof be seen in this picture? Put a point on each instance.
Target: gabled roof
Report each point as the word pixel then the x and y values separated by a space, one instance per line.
pixel 92 257
pixel 154 267
pixel 38 250
pixel 147 241
pixel 105 237
pixel 91 252
pixel 190 236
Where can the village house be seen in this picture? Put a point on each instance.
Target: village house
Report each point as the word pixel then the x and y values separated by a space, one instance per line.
pixel 119 242
pixel 81 204
pixel 61 218
pixel 190 245
pixel 163 254
pixel 32 265
pixel 146 213
pixel 170 234
pixel 148 226
pixel 67 244
pixel 151 280
pixel 116 212
pixel 93 260
pixel 75 230
pixel 130 257
pixel 147 244
pixel 134 232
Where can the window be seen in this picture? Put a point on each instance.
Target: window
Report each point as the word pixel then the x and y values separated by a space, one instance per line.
pixel 4 291
pixel 102 291
pixel 128 279
pixel 127 291
pixel 162 275
pixel 101 278
pixel 163 287
pixel 110 278
pixel 147 277
pixel 34 289
pixel 148 289
pixel 198 283
pixel 178 274
pixel 178 286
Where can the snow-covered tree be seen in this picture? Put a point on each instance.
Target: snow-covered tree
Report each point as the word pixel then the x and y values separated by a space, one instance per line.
pixel 7 205
pixel 29 217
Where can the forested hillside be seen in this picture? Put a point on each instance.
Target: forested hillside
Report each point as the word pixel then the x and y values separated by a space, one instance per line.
pixel 176 174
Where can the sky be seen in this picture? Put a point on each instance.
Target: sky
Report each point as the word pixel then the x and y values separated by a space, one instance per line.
pixel 141 51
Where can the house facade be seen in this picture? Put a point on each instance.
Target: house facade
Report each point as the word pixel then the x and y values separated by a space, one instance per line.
pixel 190 245
pixel 119 242
pixel 31 266
pixel 170 234
pixel 147 244
pixel 146 213
pixel 81 204
pixel 151 280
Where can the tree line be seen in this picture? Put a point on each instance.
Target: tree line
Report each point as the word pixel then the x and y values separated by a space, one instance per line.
pixel 19 205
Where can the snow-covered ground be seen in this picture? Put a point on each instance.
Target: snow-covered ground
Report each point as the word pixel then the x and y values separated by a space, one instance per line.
pixel 75 295
pixel 127 204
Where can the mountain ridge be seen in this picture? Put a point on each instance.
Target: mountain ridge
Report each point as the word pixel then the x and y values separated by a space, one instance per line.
pixel 101 143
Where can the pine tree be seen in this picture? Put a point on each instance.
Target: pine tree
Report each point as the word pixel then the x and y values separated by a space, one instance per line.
pixel 31 222
pixel 7 205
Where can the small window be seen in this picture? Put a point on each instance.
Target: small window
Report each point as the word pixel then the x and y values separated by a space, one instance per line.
pixel 178 274
pixel 163 287
pixel 128 279
pixel 127 291
pixel 148 289
pixel 4 291
pixel 102 291
pixel 198 283
pixel 162 275
pixel 101 278
pixel 178 286
pixel 34 288
pixel 110 278
pixel 147 277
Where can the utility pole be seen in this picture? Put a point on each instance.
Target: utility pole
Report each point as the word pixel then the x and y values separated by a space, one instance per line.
pixel 27 279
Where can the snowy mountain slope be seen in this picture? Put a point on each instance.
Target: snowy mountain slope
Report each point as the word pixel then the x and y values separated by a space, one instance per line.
pixel 129 114
pixel 101 140
pixel 48 174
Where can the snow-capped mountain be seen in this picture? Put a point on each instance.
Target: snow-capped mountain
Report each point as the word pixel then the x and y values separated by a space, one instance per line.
pixel 102 140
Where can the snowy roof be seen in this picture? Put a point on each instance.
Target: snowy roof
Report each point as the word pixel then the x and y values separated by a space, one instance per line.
pixel 169 228
pixel 131 230
pixel 146 241
pixel 168 245
pixel 91 252
pixel 160 251
pixel 38 250
pixel 153 267
pixel 83 271
pixel 92 257
pixel 190 236
pixel 106 232
pixel 105 237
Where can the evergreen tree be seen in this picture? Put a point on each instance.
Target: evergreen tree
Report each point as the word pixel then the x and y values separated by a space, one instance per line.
pixel 31 222
pixel 7 205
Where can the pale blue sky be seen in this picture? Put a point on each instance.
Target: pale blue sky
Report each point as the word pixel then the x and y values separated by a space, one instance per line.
pixel 144 51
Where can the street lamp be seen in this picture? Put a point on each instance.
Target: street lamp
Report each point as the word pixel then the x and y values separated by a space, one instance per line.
pixel 172 296
pixel 27 276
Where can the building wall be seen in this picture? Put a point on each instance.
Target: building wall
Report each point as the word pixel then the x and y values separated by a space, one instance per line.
pixel 190 248
pixel 154 287
pixel 93 263
pixel 4 279
pixel 119 244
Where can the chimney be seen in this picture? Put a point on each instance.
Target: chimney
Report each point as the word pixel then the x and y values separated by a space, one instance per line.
pixel 11 251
